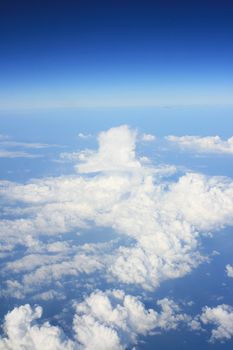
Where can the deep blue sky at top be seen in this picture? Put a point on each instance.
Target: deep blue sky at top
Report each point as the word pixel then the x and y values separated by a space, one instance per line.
pixel 115 52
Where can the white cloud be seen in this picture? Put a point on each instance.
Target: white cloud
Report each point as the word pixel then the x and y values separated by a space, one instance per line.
pixel 49 295
pixel 21 332
pixel 116 152
pixel 207 144
pixel 13 149
pixel 148 137
pixel 229 270
pixel 14 144
pixel 17 154
pixel 221 317
pixel 69 267
pixel 84 136
pixel 107 319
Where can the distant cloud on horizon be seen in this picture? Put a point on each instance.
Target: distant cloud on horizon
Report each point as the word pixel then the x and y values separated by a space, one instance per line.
pixel 206 144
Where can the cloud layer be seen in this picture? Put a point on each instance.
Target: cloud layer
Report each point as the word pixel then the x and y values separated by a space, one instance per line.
pixel 152 226
pixel 108 320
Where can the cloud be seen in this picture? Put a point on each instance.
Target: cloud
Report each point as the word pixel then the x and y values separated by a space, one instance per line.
pixel 109 320
pixel 6 146
pixel 221 317
pixel 148 137
pixel 116 152
pixel 14 144
pixel 208 144
pixel 49 295
pixel 17 154
pixel 84 136
pixel 229 270
pixel 21 332
pixel 113 319
pixel 159 222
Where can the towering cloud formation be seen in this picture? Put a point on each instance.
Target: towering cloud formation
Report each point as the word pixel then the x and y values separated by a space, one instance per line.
pixel 116 152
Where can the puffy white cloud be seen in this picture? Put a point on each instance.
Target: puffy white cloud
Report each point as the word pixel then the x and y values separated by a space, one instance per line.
pixel 112 318
pixel 207 144
pixel 116 152
pixel 205 202
pixel 229 270
pixel 108 320
pixel 21 332
pixel 221 317
pixel 148 137
pixel 70 267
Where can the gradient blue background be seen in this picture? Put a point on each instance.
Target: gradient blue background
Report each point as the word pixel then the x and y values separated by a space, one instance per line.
pixel 115 53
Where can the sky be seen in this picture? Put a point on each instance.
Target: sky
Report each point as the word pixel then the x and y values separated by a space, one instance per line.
pixel 116 177
pixel 115 53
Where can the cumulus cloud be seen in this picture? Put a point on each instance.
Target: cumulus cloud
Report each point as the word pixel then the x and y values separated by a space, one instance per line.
pixel 109 320
pixel 112 319
pixel 148 137
pixel 229 270
pixel 22 333
pixel 221 317
pixel 207 144
pixel 116 152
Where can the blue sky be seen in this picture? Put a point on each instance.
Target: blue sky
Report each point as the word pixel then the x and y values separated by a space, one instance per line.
pixel 108 53
pixel 116 187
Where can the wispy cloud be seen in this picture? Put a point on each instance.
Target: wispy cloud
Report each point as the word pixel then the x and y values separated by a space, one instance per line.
pixel 17 154
pixel 84 136
pixel 14 149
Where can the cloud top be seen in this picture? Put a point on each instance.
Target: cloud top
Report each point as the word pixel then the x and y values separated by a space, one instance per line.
pixel 116 152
